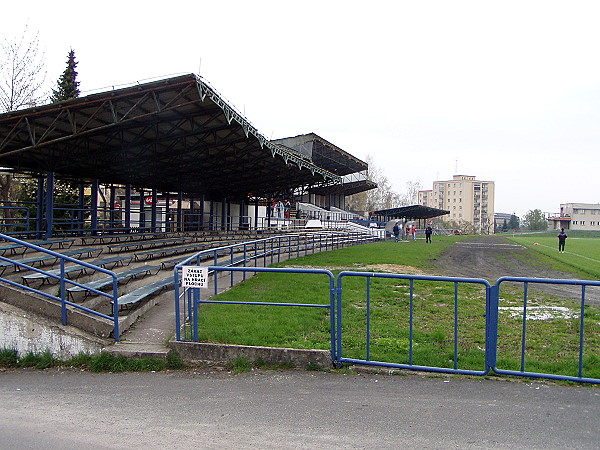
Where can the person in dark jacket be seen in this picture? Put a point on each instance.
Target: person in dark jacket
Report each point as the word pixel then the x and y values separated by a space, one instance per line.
pixel 562 237
pixel 396 232
pixel 428 232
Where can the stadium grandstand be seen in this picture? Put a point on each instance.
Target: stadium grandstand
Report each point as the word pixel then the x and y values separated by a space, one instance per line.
pixel 116 188
pixel 168 155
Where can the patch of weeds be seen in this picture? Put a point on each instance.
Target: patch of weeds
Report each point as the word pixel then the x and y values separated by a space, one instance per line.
pixel 260 363
pixel 314 367
pixel 286 365
pixel 82 360
pixel 40 361
pixel 146 364
pixel 8 358
pixel 106 362
pixel 240 365
pixel 174 361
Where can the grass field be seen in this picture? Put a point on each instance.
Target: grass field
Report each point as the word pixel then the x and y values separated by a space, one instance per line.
pixel 582 254
pixel 552 345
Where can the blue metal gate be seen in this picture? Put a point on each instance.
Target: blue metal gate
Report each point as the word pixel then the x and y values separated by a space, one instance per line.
pixel 491 351
pixel 410 310
pixel 483 354
pixel 576 339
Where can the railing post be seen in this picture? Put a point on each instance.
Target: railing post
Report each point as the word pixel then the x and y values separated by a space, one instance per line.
pixel 116 309
pixel 196 297
pixel 177 307
pixel 231 263
pixel 491 325
pixel 63 292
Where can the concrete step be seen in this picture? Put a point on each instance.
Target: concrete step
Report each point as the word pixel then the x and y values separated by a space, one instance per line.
pixel 137 349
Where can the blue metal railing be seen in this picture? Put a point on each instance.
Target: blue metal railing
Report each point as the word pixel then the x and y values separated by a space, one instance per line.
pixel 411 341
pixel 494 313
pixel 63 280
pixel 193 301
pixel 489 309
pixel 18 224
pixel 267 251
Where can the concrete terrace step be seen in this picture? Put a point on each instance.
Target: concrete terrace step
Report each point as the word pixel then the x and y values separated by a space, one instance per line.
pixel 137 349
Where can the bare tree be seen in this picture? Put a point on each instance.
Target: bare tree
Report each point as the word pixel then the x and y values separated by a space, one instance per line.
pixel 22 75
pixel 412 192
pixel 383 197
pixel 22 72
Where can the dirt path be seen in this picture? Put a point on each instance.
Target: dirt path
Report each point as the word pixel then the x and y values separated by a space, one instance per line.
pixel 492 257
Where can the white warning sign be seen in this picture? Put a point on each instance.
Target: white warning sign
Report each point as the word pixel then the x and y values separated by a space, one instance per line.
pixel 194 276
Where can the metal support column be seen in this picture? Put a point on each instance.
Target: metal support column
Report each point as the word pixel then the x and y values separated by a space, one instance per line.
pixel 142 219
pixel 94 207
pixel 80 210
pixel 256 213
pixel 112 212
pixel 166 221
pixel 224 213
pixel 192 220
pixel 128 208
pixel 39 218
pixel 49 204
pixel 153 209
pixel 180 211
pixel 201 218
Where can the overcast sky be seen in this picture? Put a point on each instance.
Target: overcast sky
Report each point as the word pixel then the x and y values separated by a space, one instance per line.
pixel 507 91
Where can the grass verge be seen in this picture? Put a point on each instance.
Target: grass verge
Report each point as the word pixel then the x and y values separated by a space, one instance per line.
pixel 102 362
pixel 427 323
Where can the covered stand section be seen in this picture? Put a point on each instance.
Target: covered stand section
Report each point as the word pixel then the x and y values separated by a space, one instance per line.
pixel 162 150
pixel 418 214
pixel 352 171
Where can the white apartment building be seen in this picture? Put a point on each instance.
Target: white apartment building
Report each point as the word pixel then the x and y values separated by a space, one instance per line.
pixel 426 198
pixel 576 216
pixel 468 200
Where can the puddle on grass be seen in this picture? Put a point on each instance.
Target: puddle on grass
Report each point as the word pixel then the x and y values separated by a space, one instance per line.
pixel 540 312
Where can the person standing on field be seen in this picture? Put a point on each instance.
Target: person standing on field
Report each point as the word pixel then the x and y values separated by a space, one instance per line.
pixel 428 232
pixel 396 232
pixel 562 237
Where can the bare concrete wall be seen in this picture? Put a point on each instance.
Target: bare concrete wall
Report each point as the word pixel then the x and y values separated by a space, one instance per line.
pixel 225 353
pixel 26 332
pixel 40 306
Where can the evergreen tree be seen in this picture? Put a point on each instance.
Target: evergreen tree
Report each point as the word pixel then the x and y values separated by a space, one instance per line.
pixel 513 223
pixel 68 86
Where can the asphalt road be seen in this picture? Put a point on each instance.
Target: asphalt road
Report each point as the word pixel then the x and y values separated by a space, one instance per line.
pixel 290 409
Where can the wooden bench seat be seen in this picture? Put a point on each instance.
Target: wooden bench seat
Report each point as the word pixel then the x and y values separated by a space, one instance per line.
pixel 121 276
pixel 145 291
pixel 139 245
pixel 55 273
pixel 42 260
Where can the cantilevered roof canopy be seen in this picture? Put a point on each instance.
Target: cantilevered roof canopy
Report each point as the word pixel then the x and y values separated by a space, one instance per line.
pixel 324 154
pixel 410 212
pixel 175 134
